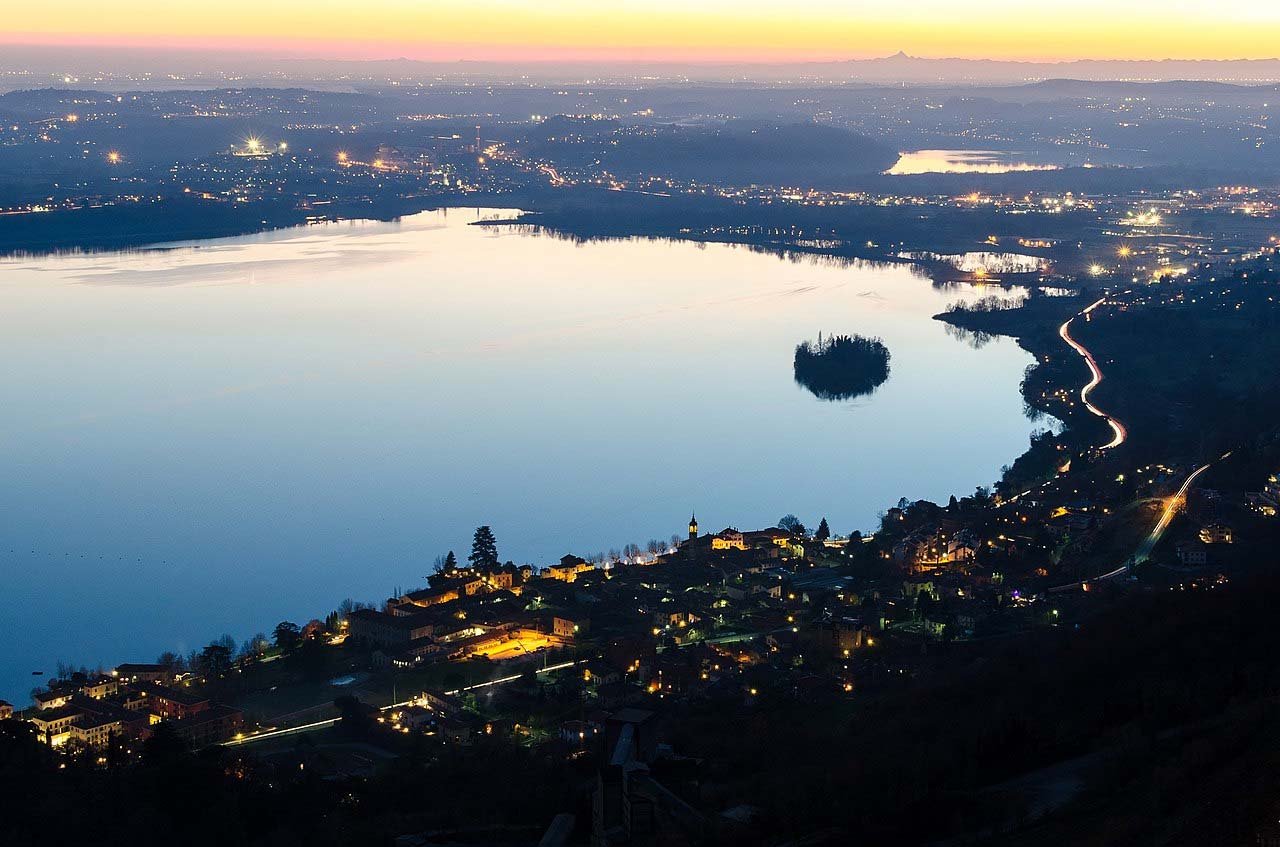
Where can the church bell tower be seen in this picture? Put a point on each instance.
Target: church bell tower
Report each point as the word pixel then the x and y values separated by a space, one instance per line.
pixel 693 527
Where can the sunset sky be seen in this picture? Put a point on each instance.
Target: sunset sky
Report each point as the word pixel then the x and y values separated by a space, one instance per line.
pixel 738 30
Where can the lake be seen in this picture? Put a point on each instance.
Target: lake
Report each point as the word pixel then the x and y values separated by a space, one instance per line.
pixel 214 437
pixel 966 162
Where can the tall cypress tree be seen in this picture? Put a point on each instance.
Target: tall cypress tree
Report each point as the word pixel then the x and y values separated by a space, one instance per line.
pixel 824 531
pixel 484 549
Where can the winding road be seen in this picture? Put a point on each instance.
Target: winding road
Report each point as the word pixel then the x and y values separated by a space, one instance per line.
pixel 1118 432
pixel 1118 436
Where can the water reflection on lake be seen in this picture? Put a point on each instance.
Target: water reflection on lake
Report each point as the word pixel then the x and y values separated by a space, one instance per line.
pixel 214 438
pixel 985 261
pixel 965 162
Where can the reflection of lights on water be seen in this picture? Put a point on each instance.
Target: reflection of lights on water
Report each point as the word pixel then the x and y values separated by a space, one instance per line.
pixel 963 161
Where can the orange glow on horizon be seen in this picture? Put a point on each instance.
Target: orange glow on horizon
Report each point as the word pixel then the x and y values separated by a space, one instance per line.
pixel 661 30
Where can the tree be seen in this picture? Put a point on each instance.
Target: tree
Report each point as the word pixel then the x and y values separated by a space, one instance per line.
pixel 286 635
pixel 257 645
pixel 347 606
pixel 172 662
pixel 355 719
pixel 791 524
pixel 164 747
pixel 310 658
pixel 214 660
pixel 484 549
pixel 528 679
pixel 446 563
pixel 824 531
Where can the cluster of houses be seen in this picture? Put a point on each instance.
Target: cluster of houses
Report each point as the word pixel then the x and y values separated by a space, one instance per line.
pixel 1200 547
pixel 688 621
pixel 1266 501
pixel 509 611
pixel 930 548
pixel 125 706
pixel 463 613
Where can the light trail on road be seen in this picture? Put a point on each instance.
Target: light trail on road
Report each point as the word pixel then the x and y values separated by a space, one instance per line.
pixel 1118 432
pixel 1170 509
pixel 1153 538
pixel 328 722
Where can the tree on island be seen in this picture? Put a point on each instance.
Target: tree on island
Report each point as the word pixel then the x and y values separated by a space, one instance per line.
pixel 824 531
pixel 484 549
pixel 841 367
pixel 286 635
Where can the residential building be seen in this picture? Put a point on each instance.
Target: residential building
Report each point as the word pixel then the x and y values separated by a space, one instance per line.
pixel 569 627
pixel 569 568
pixel 135 672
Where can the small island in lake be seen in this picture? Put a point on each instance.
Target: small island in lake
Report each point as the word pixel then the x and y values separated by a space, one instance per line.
pixel 842 367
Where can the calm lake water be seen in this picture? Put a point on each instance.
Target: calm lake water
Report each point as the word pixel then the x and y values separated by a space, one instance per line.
pixel 966 161
pixel 215 437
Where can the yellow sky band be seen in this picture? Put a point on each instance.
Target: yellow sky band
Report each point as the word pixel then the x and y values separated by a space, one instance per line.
pixel 484 29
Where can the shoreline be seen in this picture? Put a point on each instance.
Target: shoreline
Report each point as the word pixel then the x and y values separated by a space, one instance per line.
pixel 885 501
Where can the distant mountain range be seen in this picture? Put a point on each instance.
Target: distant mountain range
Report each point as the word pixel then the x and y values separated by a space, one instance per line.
pixel 911 69
pixel 35 66
pixel 896 69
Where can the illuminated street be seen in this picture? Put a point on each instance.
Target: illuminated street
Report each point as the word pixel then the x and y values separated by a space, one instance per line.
pixel 1118 433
